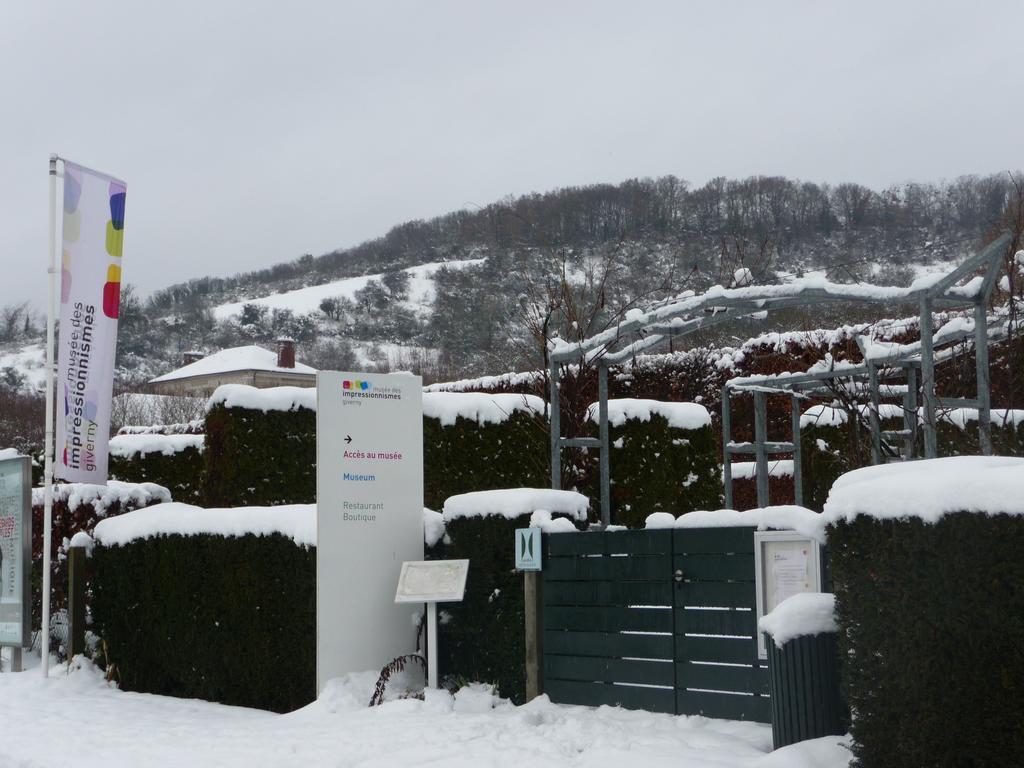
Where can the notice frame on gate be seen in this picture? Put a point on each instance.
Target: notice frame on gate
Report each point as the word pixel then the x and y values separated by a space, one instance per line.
pixel 15 551
pixel 786 563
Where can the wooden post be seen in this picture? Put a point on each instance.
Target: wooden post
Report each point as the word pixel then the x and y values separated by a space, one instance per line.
pixel 76 601
pixel 534 604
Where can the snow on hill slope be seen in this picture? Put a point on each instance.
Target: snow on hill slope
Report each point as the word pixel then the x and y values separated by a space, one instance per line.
pixel 28 360
pixel 305 300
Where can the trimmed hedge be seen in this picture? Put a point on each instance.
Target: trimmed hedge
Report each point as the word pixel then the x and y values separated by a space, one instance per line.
pixel 181 472
pixel 482 639
pixel 224 619
pixel 77 508
pixel 932 632
pixel 257 458
pixel 468 456
pixel 658 468
pixel 825 455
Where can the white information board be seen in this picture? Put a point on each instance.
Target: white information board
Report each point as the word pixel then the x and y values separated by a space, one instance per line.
pixel 15 552
pixel 786 563
pixel 369 517
pixel 432 581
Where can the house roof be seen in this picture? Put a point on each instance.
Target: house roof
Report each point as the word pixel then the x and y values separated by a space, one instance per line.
pixel 250 358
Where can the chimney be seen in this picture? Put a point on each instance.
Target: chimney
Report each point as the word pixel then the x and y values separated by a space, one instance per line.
pixel 286 353
pixel 187 358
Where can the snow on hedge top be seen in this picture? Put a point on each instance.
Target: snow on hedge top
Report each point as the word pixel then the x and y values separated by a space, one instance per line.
pixel 269 399
pixel 929 489
pixel 296 521
pixel 810 613
pixel 250 358
pixel 787 517
pixel 103 496
pixel 678 415
pixel 478 407
pixel 513 502
pixel 822 416
pixel 127 446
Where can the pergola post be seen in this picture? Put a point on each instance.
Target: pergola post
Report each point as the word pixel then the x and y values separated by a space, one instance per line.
pixel 760 454
pixel 910 419
pixel 798 472
pixel 981 366
pixel 873 419
pixel 726 439
pixel 605 456
pixel 931 449
pixel 555 421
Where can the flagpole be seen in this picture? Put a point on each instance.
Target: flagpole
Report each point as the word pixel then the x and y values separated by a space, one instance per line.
pixel 48 447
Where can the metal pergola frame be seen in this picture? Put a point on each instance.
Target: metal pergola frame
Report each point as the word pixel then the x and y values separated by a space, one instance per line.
pixel 645 331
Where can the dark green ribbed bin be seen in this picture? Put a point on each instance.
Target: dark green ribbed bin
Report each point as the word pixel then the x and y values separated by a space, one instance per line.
pixel 804 679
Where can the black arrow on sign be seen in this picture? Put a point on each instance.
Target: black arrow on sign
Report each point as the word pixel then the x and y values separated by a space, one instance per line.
pixel 348 438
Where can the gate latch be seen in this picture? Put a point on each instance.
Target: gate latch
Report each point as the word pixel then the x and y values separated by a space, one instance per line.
pixel 678 574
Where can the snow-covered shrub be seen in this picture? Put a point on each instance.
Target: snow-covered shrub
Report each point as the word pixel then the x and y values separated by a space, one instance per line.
pixel 663 458
pixel 78 508
pixel 929 580
pixel 478 442
pixel 260 448
pixel 957 432
pixel 173 461
pixel 482 638
pixel 228 618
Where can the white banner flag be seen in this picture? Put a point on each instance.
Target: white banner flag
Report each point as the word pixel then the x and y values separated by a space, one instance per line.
pixel 90 294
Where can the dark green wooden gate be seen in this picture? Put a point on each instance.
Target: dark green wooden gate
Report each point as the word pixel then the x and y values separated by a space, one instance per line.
pixel 662 620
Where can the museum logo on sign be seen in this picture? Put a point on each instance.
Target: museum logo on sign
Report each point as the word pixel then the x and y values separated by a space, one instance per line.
pixel 356 390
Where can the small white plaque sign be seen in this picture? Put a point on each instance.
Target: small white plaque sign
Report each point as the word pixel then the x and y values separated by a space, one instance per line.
pixel 432 581
pixel 786 563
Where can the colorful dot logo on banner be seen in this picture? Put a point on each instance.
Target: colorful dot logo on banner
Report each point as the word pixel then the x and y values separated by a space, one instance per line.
pixel 72 216
pixel 358 385
pixel 65 277
pixel 115 227
pixel 112 292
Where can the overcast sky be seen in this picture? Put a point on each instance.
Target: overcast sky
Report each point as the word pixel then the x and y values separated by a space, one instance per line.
pixel 250 133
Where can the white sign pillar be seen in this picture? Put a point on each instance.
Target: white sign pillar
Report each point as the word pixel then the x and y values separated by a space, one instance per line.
pixel 369 517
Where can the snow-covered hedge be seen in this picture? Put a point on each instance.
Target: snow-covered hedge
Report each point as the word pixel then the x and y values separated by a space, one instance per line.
pixel 260 446
pixel 664 458
pixel 477 442
pixel 173 461
pixel 217 604
pixel 78 508
pixel 929 582
pixel 482 637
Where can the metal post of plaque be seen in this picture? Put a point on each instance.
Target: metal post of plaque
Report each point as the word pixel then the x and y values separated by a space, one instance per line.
pixel 432 582
pixel 15 555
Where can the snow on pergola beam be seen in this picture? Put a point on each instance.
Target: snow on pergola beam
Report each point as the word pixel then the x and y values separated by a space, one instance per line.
pixel 690 312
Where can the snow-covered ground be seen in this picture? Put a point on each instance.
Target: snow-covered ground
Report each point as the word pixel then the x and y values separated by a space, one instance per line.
pixel 305 300
pixel 75 718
